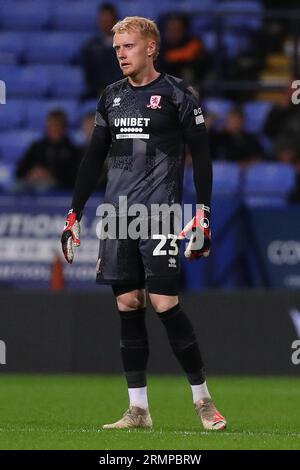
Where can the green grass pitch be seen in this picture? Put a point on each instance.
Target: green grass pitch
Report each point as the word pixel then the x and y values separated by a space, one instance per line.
pixel 67 411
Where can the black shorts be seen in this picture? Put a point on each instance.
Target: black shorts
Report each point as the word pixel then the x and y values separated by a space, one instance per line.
pixel 153 263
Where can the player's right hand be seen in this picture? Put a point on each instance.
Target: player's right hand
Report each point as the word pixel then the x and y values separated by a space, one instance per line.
pixel 70 235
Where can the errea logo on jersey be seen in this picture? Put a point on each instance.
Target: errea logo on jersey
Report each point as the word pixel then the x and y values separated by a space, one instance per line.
pixel 117 101
pixel 172 263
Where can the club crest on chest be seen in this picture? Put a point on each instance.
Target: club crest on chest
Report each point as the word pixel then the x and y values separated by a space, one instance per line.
pixel 154 102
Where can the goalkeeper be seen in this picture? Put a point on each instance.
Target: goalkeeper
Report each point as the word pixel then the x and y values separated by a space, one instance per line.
pixel 142 125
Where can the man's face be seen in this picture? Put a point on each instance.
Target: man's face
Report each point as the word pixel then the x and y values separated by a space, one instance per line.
pixel 106 20
pixel 175 31
pixel 234 122
pixel 132 51
pixel 55 129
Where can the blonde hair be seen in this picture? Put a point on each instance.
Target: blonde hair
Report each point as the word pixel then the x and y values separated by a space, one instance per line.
pixel 146 27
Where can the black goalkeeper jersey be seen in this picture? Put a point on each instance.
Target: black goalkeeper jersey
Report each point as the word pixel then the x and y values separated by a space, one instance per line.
pixel 148 125
pixel 144 131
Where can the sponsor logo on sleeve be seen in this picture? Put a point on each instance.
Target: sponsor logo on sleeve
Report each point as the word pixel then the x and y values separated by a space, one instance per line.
pixel 199 119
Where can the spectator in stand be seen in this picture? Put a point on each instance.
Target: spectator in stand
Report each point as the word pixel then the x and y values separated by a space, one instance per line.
pixel 282 126
pixel 180 54
pixel 290 155
pixel 235 144
pixel 51 162
pixel 98 57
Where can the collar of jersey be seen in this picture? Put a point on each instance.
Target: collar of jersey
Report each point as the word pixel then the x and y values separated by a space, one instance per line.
pixel 142 87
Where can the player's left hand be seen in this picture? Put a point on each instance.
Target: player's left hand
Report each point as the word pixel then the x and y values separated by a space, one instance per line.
pixel 200 239
pixel 70 235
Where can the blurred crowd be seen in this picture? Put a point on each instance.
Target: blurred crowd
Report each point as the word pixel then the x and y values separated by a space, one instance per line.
pixel 51 163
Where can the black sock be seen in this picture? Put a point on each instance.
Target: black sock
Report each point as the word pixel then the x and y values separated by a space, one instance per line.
pixel 134 347
pixel 184 343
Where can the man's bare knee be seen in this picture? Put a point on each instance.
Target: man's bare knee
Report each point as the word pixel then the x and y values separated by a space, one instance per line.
pixel 162 303
pixel 133 300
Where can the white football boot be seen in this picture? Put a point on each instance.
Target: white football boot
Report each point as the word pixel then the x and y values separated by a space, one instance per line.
pixel 209 415
pixel 134 417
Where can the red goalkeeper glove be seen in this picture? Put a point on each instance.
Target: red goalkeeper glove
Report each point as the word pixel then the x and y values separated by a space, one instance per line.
pixel 200 240
pixel 70 235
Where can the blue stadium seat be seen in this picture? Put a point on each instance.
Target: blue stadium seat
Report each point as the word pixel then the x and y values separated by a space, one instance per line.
pixel 24 81
pixel 135 7
pixel 54 47
pixel 7 175
pixel 74 15
pixel 13 144
pixel 201 18
pixel 268 184
pixel 51 70
pixel 233 44
pixel 7 70
pixel 29 14
pixel 88 106
pixel 209 39
pixel 63 80
pixel 226 178
pixel 193 5
pixel 69 83
pixel 37 111
pixel 241 15
pixel 236 44
pixel 12 115
pixel 255 115
pixel 161 8
pixel 218 106
pixel 11 46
